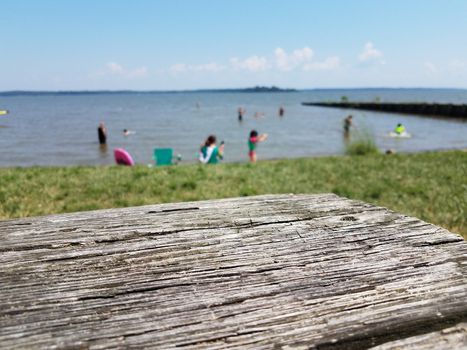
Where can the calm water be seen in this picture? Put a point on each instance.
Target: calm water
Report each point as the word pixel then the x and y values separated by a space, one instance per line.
pixel 62 129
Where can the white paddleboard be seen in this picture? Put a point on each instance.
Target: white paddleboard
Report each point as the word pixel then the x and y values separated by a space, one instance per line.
pixel 402 135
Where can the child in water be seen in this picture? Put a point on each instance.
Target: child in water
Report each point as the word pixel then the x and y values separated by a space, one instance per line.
pixel 127 132
pixel 400 129
pixel 209 152
pixel 252 143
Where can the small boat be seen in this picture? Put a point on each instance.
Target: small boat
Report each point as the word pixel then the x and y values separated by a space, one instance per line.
pixel 4 111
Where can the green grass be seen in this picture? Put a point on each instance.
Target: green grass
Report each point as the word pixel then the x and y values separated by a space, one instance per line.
pixel 361 143
pixel 430 186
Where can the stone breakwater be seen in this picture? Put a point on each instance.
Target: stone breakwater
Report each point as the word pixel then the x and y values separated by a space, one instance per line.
pixel 429 109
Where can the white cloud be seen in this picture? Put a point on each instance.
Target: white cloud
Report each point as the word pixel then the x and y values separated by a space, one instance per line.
pixel 207 67
pixel 454 67
pixel 328 64
pixel 431 67
pixel 117 69
pixel 287 62
pixel 458 66
pixel 178 68
pixel 138 73
pixel 371 55
pixel 282 61
pixel 252 64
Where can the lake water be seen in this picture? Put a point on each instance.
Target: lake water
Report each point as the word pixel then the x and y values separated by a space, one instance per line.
pixel 62 129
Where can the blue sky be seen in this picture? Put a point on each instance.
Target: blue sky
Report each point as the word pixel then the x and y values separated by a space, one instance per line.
pixel 190 44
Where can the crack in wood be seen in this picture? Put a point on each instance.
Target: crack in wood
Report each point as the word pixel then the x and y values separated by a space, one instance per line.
pixel 172 210
pixel 381 335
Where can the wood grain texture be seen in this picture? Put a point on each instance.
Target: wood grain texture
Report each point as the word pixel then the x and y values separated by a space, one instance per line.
pixel 267 272
pixel 453 338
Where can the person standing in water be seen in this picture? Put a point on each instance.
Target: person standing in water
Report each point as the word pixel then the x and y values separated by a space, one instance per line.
pixel 241 111
pixel 102 133
pixel 209 152
pixel 253 142
pixel 281 111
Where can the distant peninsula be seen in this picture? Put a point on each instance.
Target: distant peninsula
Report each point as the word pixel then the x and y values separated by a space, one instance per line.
pixel 105 92
pixel 263 89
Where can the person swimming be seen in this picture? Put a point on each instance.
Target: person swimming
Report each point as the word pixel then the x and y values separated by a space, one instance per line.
pixel 400 129
pixel 127 132
pixel 259 115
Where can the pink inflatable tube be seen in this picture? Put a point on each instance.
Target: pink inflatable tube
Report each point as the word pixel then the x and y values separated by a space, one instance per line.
pixel 122 157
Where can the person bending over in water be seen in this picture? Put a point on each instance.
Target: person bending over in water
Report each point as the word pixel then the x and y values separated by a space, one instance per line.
pixel 253 142
pixel 400 129
pixel 209 152
pixel 102 133
pixel 347 124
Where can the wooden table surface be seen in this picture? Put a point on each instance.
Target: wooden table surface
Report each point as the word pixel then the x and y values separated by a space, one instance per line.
pixel 266 272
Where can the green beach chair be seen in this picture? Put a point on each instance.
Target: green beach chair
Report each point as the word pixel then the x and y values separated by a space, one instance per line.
pixel 163 156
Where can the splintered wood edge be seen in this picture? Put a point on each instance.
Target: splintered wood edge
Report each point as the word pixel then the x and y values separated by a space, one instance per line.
pixel 451 338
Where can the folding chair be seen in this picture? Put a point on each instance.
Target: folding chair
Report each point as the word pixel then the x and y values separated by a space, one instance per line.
pixel 163 156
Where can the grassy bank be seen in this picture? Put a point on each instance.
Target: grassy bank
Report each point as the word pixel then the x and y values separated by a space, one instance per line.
pixel 431 186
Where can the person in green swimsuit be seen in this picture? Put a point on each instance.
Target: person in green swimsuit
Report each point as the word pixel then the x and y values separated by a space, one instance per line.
pixel 252 143
pixel 209 152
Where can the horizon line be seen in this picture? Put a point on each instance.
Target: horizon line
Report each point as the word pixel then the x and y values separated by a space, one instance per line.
pixel 241 89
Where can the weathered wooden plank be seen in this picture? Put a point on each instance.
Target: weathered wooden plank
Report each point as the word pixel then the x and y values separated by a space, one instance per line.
pixel 453 338
pixel 288 271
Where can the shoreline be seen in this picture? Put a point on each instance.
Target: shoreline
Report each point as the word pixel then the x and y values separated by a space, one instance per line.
pixel 187 163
